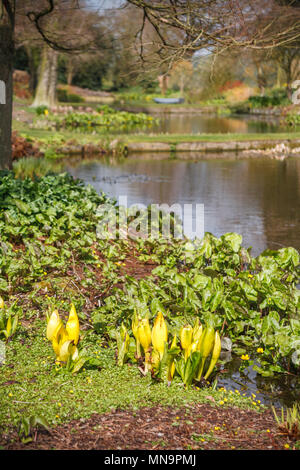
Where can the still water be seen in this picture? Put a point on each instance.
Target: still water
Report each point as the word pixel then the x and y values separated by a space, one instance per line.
pixel 258 198
pixel 210 124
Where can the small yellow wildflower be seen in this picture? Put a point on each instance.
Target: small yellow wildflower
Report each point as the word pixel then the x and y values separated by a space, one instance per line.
pixel 217 428
pixel 245 357
pixel 59 404
pixel 10 394
pixel 286 446
pixel 221 402
pixel 260 350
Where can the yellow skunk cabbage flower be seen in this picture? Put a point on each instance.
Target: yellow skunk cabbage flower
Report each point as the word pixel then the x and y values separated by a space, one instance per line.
pixel 66 350
pixel 1 302
pixel 155 359
pixel 207 344
pixel 197 330
pixel 144 333
pixel 8 326
pixel 159 334
pixel 144 336
pixel 58 338
pixel 186 336
pixel 134 326
pixel 171 367
pixel 53 323
pixel 192 348
pixel 72 326
pixel 171 371
pixel 215 355
pixel 174 342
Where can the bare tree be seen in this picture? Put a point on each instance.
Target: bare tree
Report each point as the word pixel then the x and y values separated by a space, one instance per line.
pixel 288 59
pixel 220 25
pixel 44 17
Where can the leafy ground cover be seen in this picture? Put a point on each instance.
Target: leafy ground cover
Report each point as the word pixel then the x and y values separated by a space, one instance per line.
pixel 50 257
pixel 102 119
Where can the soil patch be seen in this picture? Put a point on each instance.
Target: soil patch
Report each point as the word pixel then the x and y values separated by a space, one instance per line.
pixel 197 426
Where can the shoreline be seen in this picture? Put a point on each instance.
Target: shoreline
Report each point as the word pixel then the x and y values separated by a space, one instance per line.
pixel 268 147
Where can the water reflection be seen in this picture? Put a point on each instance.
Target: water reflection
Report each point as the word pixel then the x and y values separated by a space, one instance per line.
pixel 210 124
pixel 257 198
pixel 278 391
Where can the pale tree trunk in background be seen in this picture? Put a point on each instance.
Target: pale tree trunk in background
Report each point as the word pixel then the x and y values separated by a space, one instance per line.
pixel 47 79
pixel 181 86
pixel 32 70
pixel 6 69
pixel 70 71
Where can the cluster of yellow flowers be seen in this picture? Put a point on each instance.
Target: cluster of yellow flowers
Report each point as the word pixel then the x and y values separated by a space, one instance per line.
pixel 64 338
pixel 189 358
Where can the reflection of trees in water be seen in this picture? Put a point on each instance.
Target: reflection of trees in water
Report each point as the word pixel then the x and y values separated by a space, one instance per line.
pixel 209 124
pixel 258 198
pixel 261 198
pixel 230 203
pixel 280 202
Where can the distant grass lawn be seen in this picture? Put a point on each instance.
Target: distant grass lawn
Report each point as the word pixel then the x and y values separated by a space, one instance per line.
pixel 176 138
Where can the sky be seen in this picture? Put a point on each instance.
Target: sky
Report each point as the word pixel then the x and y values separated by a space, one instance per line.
pixel 104 4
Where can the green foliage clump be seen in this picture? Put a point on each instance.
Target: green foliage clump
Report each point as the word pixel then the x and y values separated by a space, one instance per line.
pixel 105 119
pixel 275 97
pixel 65 97
pixel 292 119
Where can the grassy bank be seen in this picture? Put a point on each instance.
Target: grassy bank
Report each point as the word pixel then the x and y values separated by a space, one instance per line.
pixel 180 138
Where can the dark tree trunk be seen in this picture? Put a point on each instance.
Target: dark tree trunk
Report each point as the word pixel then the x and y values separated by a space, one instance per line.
pixel 6 69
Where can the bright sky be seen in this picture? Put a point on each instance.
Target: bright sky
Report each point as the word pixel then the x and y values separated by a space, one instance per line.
pixel 104 4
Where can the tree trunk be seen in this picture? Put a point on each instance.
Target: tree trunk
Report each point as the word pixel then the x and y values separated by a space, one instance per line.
pixel 6 89
pixel 47 79
pixel 181 86
pixel 32 68
pixel 70 72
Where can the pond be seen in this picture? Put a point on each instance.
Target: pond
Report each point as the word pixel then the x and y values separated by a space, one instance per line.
pixel 177 123
pixel 258 198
